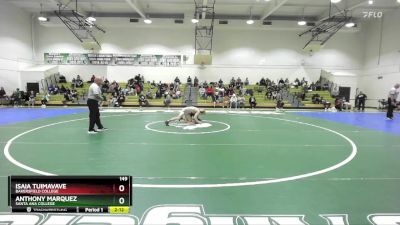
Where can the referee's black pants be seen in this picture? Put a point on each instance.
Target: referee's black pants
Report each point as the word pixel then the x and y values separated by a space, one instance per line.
pixel 94 114
pixel 361 105
pixel 390 108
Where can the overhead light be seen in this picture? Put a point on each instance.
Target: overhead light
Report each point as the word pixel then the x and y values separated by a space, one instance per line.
pixel 398 1
pixel 250 22
pixel 370 2
pixel 91 19
pixel 267 0
pixel 147 21
pixel 43 19
pixel 302 23
pixel 350 24
pixel 196 18
pixel 335 1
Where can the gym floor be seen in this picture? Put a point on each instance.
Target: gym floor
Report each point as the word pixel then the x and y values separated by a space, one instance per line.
pixel 260 162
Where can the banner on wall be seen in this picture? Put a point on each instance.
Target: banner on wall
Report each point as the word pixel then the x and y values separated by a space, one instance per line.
pixel 112 59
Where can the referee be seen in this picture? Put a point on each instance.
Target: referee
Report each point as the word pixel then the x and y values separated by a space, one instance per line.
pixel 393 94
pixel 94 97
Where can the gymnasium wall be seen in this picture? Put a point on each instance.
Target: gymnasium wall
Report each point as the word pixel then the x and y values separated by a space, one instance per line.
pixel 15 45
pixel 246 53
pixel 382 56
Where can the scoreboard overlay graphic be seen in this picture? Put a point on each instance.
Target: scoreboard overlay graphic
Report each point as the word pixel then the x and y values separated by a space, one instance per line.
pixel 72 194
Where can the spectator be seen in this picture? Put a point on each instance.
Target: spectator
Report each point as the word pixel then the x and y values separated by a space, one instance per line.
pixel 153 85
pixel 312 86
pixel 318 85
pixel 210 91
pixel 73 83
pixel 316 99
pixel 32 97
pixel 226 101
pixel 45 99
pixel 143 101
pixel 74 95
pixel 16 98
pixel 92 79
pixel 138 89
pixel 327 105
pixel 263 82
pixel 252 102
pixel 167 100
pixel 196 81
pixel 63 89
pixel 303 82
pixel 56 90
pixel 392 98
pixel 220 83
pixel 50 88
pixel 113 101
pixel 287 82
pixel 279 101
pixel 158 93
pixel 339 104
pixel 189 81
pixel 177 81
pixel 279 105
pixel 67 98
pixel 274 95
pixel 121 99
pixel 233 101
pixel 346 104
pixel 246 82
pixel 202 92
pixel 361 100
pixel 243 90
pixel 79 82
pixel 62 79
pixel 3 94
pixel 239 82
pixel 178 94
pixel 241 101
pixel 105 86
pixel 230 91
pixel 149 94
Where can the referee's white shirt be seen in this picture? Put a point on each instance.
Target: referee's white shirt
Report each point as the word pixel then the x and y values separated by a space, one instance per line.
pixel 94 90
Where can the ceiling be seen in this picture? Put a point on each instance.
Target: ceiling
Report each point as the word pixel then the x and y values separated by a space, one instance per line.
pixel 314 10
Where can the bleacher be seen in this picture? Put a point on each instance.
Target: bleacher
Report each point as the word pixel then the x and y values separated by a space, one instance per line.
pixel 130 101
pixel 58 99
pixel 258 92
pixel 307 103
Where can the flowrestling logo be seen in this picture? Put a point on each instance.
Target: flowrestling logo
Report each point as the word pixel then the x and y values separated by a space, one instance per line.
pixel 185 215
pixel 372 14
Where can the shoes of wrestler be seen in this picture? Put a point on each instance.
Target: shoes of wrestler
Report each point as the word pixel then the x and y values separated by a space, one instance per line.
pixel 167 123
pixel 102 129
pixel 92 132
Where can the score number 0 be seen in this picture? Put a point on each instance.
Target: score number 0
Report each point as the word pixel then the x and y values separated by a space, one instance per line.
pixel 121 188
